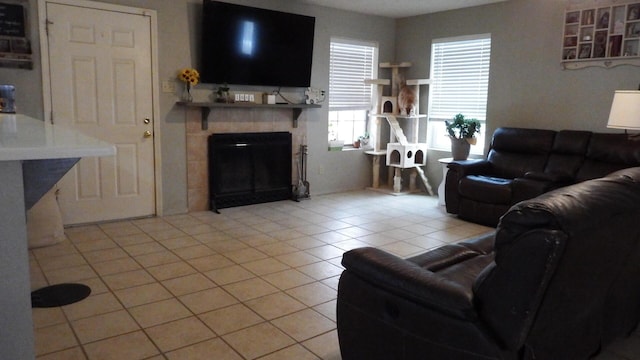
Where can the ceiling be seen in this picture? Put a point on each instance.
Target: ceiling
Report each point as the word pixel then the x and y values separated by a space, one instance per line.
pixel 398 8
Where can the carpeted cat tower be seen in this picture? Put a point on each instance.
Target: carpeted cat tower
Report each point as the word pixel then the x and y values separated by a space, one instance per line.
pixel 400 109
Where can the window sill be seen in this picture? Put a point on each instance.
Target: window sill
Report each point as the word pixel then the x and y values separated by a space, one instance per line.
pixel 350 148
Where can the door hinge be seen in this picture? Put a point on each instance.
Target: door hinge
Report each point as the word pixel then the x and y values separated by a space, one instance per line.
pixel 47 23
pixel 51 117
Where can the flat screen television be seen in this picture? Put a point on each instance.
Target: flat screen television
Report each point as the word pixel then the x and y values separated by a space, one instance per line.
pixel 250 46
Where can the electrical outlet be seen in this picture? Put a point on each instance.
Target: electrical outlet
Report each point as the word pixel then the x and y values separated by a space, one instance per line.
pixel 321 170
pixel 168 86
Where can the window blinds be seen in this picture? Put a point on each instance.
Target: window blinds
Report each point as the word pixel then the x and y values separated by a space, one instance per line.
pixel 460 77
pixel 350 64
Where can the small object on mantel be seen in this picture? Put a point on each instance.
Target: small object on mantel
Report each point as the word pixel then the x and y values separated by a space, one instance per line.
pixel 268 99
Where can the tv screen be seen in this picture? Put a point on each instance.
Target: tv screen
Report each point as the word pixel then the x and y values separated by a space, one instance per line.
pixel 251 46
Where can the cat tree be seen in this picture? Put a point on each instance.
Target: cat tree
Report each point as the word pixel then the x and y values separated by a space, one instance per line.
pixel 401 152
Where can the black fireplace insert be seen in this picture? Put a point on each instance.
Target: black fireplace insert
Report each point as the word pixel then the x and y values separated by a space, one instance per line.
pixel 249 168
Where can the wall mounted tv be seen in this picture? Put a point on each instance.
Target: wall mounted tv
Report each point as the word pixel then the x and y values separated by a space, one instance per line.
pixel 250 46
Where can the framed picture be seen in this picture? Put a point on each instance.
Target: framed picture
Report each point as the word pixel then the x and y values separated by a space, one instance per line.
pixel 633 30
pixel 634 12
pixel 603 19
pixel 569 54
pixel 572 17
pixel 587 17
pixel 585 51
pixel 599 50
pixel 571 41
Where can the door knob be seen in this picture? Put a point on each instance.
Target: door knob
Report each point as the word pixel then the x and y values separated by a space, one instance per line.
pixel 147 134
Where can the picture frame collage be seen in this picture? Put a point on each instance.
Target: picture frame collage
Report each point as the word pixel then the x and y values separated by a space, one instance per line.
pixel 604 32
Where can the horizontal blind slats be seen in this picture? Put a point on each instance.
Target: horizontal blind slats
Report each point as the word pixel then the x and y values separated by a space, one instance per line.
pixel 460 78
pixel 350 64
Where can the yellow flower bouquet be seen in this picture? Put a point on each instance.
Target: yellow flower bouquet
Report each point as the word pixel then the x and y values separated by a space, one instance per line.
pixel 190 77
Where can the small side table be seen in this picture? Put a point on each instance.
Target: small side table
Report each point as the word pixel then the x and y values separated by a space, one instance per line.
pixel 445 169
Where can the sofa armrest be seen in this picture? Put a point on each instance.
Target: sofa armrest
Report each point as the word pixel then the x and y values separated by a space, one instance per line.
pixel 470 167
pixel 457 171
pixel 407 279
pixel 546 176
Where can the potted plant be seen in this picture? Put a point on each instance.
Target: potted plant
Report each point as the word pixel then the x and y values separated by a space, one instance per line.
pixel 364 140
pixel 223 94
pixel 462 134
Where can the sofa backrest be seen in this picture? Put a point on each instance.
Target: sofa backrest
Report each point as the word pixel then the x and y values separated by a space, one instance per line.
pixel 516 151
pixel 568 152
pixel 557 259
pixel 607 153
pixel 582 155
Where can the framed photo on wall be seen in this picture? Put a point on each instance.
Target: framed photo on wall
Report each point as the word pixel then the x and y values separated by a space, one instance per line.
pixel 15 46
pixel 604 34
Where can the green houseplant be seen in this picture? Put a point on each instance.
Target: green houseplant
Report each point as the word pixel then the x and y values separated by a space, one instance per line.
pixel 223 94
pixel 462 133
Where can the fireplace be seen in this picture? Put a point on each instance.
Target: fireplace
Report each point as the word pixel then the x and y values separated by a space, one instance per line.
pixel 249 168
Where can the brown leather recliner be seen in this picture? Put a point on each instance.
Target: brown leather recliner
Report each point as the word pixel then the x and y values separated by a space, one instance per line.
pixel 524 163
pixel 559 280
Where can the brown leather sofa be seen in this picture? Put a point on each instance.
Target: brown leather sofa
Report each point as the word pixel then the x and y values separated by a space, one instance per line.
pixel 524 163
pixel 560 279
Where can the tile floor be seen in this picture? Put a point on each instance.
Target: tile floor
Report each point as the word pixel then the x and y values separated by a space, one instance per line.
pixel 254 282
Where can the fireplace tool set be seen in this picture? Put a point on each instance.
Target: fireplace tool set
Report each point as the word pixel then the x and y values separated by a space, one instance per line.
pixel 301 190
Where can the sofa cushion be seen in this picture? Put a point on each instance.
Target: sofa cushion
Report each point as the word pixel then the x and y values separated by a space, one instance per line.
pixel 486 189
pixel 568 153
pixel 515 151
pixel 571 142
pixel 608 153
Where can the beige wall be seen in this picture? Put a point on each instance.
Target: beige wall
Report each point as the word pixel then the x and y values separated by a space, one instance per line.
pixel 527 85
pixel 178 43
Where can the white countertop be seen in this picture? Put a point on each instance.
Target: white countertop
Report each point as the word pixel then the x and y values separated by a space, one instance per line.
pixel 25 138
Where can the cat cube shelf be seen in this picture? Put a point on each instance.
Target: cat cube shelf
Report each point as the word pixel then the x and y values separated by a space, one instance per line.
pixel 406 156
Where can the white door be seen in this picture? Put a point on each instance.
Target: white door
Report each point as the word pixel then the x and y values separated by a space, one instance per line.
pixel 101 84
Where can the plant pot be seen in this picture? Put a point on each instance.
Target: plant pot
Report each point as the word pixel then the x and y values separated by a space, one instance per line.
pixel 460 149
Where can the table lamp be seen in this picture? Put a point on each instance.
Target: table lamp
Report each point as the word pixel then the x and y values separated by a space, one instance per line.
pixel 625 111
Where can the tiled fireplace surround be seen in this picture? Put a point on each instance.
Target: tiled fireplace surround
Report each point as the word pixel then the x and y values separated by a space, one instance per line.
pixel 231 120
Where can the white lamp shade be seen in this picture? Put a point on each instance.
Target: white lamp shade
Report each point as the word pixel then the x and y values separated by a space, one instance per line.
pixel 625 110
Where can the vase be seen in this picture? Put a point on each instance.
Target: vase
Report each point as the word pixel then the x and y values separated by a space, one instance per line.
pixel 186 93
pixel 460 149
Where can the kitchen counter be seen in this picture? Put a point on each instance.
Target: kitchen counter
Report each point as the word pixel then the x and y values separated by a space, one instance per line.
pixel 25 138
pixel 33 157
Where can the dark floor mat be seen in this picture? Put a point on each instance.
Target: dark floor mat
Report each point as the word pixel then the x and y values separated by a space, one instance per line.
pixel 59 295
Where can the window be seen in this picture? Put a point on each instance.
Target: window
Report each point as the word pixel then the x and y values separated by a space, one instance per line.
pixel 351 63
pixel 459 84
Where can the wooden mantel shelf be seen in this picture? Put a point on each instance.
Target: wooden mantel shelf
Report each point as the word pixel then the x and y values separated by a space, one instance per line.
pixel 205 108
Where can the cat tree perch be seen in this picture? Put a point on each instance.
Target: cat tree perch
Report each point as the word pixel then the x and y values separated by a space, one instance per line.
pixel 403 103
